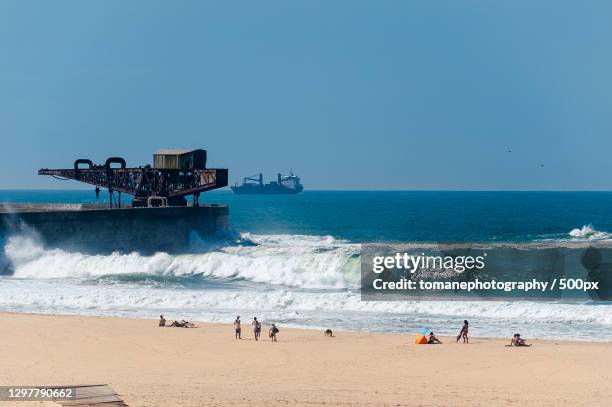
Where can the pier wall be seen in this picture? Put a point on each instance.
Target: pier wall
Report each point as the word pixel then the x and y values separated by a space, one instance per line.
pixel 99 231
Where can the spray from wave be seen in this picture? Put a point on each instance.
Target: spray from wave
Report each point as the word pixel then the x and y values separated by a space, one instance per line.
pixel 290 260
pixel 296 280
pixel 587 232
pixel 299 261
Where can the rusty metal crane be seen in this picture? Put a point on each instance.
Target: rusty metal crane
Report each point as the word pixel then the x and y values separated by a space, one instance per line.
pixel 174 175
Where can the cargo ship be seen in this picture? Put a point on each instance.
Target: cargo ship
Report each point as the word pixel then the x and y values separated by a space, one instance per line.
pixel 285 184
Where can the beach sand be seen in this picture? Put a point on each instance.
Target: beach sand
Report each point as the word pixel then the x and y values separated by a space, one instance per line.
pixel 152 366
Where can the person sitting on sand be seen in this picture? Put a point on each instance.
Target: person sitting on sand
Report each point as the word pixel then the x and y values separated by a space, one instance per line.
pixel 162 321
pixel 256 328
pixel 433 339
pixel 273 332
pixel 518 341
pixel 464 332
pixel 237 327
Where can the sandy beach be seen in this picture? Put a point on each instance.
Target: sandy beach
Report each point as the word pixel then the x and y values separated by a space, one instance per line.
pixel 152 366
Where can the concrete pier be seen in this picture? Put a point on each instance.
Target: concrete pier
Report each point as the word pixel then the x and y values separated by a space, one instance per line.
pixel 98 230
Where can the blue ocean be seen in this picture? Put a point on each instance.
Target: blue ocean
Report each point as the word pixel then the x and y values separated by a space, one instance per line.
pixel 294 260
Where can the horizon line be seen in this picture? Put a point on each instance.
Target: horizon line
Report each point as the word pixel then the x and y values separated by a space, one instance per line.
pixel 344 190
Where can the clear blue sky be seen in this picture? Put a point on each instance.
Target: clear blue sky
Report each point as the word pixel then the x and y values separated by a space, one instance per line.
pixel 350 94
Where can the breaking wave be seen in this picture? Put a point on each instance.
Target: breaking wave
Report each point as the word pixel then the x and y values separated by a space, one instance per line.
pixel 290 260
pixel 298 280
pixel 312 309
pixel 300 261
pixel 113 297
pixel 587 232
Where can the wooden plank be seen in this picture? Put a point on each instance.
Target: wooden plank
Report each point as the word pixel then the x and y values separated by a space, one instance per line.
pixel 92 400
pixel 86 392
pixel 100 395
pixel 105 404
pixel 73 386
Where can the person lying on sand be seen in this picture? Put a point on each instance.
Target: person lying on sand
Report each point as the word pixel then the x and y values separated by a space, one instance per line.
pixel 162 321
pixel 182 324
pixel 433 339
pixel 518 341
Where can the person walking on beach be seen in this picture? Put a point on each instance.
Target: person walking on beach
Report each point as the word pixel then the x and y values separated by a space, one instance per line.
pixel 464 332
pixel 256 328
pixel 237 327
pixel 273 332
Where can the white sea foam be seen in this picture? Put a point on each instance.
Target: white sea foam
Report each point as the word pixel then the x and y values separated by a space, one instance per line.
pixel 320 262
pixel 300 280
pixel 48 293
pixel 297 261
pixel 344 309
pixel 587 232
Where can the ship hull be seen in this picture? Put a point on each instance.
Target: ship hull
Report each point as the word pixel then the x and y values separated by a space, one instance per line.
pixel 265 191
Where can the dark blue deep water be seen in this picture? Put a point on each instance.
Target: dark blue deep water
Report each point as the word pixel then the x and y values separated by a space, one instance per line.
pixel 408 216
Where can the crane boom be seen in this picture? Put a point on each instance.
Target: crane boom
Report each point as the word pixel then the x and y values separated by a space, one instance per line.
pixel 145 182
